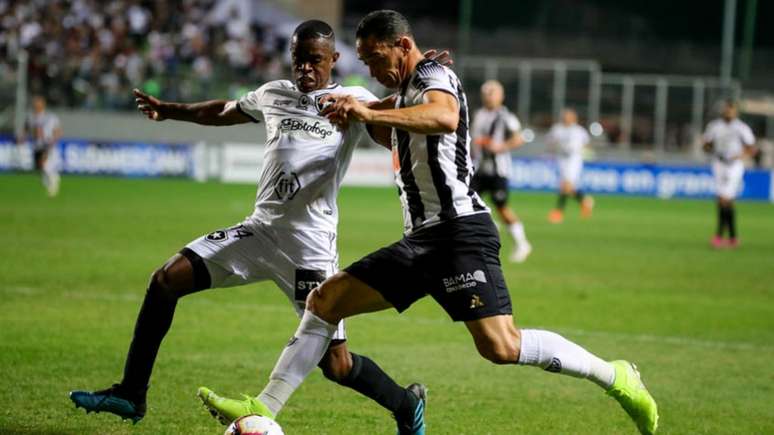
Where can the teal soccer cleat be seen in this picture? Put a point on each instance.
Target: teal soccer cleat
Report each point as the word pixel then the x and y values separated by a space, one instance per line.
pixel 415 423
pixel 112 400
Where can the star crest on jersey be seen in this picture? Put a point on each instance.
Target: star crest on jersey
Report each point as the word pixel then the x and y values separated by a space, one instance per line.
pixel 318 104
pixel 217 236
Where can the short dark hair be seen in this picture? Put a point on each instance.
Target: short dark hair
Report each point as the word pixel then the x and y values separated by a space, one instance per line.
pixel 384 25
pixel 314 29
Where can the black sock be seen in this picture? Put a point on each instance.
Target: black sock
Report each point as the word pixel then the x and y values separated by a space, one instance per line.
pixel 579 195
pixel 152 325
pixel 731 221
pixel 370 380
pixel 721 221
pixel 561 201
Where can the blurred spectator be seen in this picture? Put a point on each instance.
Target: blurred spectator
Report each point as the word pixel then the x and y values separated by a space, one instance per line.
pixel 91 53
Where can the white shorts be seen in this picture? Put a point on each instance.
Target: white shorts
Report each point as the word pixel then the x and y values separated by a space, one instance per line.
pixel 570 169
pixel 297 261
pixel 728 178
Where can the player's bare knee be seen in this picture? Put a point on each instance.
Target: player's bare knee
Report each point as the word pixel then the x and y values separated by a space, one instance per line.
pixel 323 300
pixel 498 350
pixel 160 284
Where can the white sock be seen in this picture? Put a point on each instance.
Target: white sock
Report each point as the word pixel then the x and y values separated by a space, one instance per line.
pixel 517 232
pixel 51 181
pixel 300 357
pixel 554 353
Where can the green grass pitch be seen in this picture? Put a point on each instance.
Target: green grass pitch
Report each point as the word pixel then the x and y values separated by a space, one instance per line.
pixel 637 281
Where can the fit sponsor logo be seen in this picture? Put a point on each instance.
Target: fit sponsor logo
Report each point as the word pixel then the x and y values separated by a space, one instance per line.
pixel 464 280
pixel 316 128
pixel 286 185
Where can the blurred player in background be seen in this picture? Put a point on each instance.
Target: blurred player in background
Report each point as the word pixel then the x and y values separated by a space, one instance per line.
pixel 728 139
pixel 42 131
pixel 495 132
pixel 568 140
pixel 450 248
pixel 290 238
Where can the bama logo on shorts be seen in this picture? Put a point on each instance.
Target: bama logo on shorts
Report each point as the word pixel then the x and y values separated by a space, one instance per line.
pixel 464 280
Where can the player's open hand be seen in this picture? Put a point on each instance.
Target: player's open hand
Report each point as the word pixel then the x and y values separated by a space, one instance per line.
pixel 443 57
pixel 149 105
pixel 343 109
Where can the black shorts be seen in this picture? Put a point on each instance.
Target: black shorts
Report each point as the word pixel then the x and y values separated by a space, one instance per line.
pixel 40 155
pixel 456 262
pixel 495 184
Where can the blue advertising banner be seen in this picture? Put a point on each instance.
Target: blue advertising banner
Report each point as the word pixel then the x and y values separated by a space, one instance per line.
pixel 132 159
pixel 663 181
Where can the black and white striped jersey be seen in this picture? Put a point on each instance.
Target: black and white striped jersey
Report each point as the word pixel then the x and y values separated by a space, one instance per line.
pixel 496 125
pixel 433 172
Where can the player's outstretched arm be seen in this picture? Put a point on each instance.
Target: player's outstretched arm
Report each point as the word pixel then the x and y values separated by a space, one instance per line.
pixel 213 112
pixel 379 133
pixel 439 114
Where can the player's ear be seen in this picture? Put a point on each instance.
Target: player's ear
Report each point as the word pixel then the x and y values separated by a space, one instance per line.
pixel 336 55
pixel 405 43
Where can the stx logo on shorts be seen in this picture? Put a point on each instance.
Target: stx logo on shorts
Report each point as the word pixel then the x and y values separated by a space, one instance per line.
pixel 463 281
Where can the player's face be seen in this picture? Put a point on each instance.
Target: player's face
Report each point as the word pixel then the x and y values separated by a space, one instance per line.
pixel 729 112
pixel 312 61
pixel 386 61
pixel 38 105
pixel 569 117
pixel 492 96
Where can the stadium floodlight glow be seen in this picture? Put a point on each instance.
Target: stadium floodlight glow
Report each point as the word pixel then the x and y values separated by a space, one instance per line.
pixel 596 129
pixel 528 135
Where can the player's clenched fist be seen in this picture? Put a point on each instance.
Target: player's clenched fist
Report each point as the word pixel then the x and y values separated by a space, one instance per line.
pixel 149 105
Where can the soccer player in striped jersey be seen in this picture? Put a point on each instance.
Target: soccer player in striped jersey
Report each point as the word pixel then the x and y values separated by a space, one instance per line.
pixel 495 132
pixel 450 245
pixel 728 139
pixel 290 238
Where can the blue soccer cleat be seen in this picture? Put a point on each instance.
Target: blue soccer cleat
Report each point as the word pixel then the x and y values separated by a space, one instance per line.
pixel 414 424
pixel 112 400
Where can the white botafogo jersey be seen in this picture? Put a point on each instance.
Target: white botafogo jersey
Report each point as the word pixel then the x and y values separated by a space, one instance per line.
pixel 305 156
pixel 569 140
pixel 433 171
pixel 728 138
pixel 41 129
pixel 499 125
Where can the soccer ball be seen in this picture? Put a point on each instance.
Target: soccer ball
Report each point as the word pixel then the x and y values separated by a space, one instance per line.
pixel 254 425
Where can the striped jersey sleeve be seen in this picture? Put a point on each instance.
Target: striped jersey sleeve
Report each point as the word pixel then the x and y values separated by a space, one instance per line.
pixel 433 172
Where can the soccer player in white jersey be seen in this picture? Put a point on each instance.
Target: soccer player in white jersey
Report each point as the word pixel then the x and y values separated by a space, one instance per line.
pixel 569 139
pixel 290 238
pixel 495 132
pixel 43 130
pixel 728 139
pixel 450 245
